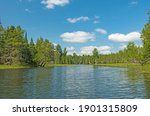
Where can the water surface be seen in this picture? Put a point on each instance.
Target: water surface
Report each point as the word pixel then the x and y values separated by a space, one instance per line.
pixel 81 81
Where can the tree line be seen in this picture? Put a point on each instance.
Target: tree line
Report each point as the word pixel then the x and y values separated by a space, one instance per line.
pixel 16 49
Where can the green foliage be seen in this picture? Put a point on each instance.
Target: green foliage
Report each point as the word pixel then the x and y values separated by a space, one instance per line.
pixel 95 56
pixel 64 56
pixel 43 50
pixel 1 41
pixel 146 42
pixel 59 50
pixel 95 53
pixel 58 54
pixel 131 54
pixel 31 51
pixel 12 45
pixel 15 48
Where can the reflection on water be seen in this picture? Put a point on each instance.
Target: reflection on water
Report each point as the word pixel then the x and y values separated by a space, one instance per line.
pixel 82 81
pixel 147 85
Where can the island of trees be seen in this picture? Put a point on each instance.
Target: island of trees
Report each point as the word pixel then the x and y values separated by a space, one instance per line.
pixel 16 49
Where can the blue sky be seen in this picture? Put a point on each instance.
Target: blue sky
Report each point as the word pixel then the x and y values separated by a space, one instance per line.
pixel 79 25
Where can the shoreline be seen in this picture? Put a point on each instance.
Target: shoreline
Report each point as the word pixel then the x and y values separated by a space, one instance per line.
pixel 145 69
pixel 142 69
pixel 29 66
pixel 14 66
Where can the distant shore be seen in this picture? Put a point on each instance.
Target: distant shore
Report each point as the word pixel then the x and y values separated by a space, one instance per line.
pixel 142 69
pixel 29 66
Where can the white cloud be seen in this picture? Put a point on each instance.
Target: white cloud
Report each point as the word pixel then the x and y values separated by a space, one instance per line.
pixel 74 20
pixel 50 4
pixel 134 3
pixel 26 0
pixel 27 10
pixel 89 49
pixel 78 37
pixel 95 22
pixel 118 37
pixel 101 31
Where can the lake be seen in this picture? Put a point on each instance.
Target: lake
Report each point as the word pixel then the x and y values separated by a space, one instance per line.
pixel 74 82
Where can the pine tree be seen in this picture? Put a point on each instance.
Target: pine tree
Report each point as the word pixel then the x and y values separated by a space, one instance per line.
pixel 1 43
pixel 95 55
pixel 64 56
pixel 42 52
pixel 59 54
pixel 31 51
pixel 26 55
pixel 146 41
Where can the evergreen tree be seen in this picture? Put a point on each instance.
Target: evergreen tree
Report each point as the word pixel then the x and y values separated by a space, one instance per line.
pixel 59 54
pixel 64 56
pixel 31 50
pixel 95 55
pixel 131 52
pixel 1 42
pixel 26 55
pixel 146 41
pixel 43 52
pixel 13 38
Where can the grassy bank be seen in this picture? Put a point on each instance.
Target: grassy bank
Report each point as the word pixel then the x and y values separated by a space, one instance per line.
pixel 142 69
pixel 28 66
pixel 14 66
pixel 50 65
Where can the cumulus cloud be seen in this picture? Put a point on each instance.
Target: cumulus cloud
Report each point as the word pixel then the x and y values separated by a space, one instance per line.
pixel 118 37
pixel 27 10
pixel 134 3
pixel 50 4
pixel 26 0
pixel 95 22
pixel 75 20
pixel 78 37
pixel 89 49
pixel 101 31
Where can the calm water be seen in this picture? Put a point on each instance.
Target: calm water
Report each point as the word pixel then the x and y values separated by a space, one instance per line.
pixel 81 81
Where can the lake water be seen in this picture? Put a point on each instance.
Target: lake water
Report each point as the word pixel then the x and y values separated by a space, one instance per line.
pixel 79 81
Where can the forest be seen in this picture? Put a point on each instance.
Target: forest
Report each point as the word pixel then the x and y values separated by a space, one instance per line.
pixel 16 49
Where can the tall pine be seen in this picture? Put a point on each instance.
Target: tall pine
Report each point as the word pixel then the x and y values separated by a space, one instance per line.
pixel 146 41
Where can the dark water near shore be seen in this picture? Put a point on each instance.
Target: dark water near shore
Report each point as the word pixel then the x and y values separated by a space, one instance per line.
pixel 81 81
